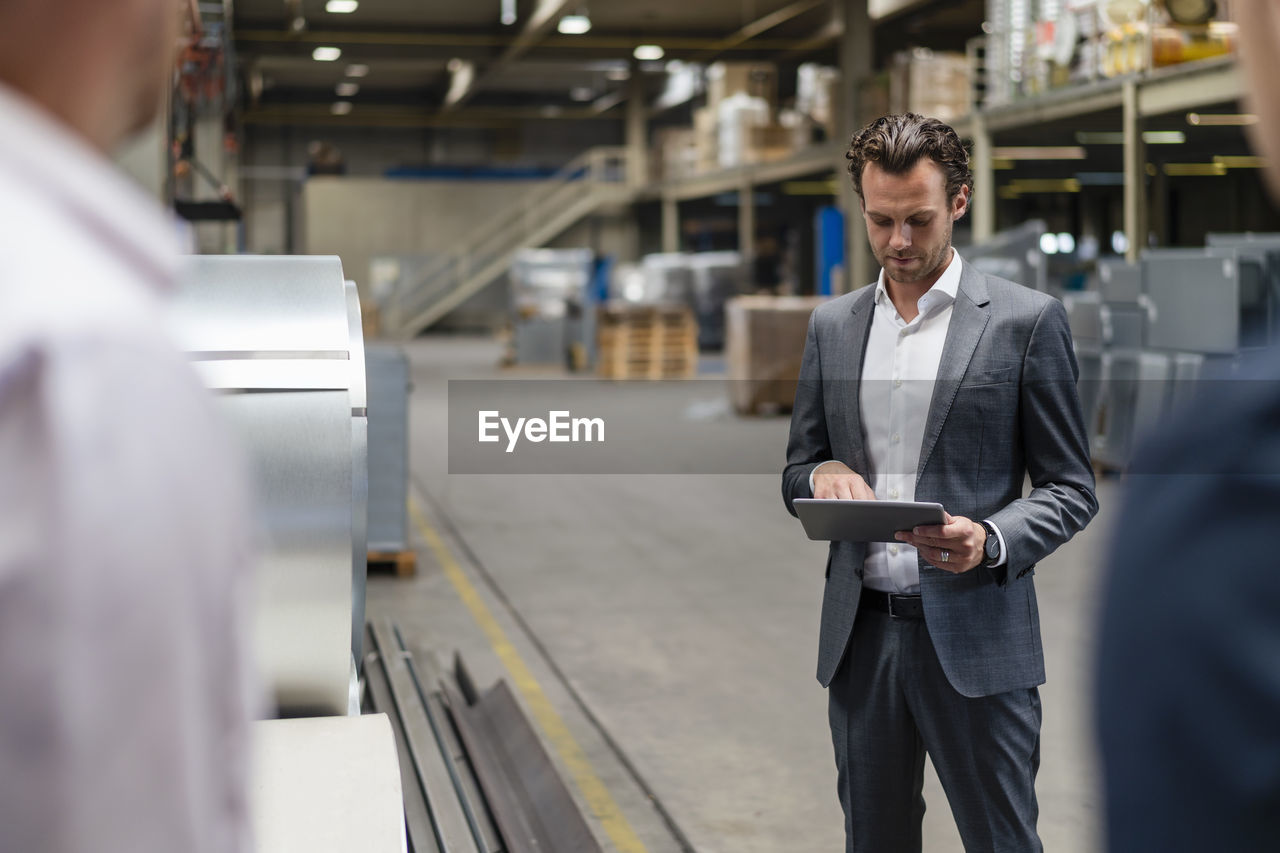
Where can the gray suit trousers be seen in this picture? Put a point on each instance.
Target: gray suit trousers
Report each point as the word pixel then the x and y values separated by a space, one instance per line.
pixel 889 704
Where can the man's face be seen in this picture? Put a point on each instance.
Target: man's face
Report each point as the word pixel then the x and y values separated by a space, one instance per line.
pixel 151 35
pixel 909 219
pixel 1260 54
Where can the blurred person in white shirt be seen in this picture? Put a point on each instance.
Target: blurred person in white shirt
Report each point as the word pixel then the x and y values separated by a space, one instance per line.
pixel 124 531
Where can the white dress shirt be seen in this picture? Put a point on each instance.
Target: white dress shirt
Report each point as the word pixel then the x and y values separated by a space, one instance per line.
pixel 896 388
pixel 124 526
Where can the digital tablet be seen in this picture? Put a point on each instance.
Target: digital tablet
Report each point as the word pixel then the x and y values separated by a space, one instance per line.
pixel 863 521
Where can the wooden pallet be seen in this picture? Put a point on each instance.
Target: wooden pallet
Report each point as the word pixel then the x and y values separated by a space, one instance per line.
pixel 647 342
pixel 403 563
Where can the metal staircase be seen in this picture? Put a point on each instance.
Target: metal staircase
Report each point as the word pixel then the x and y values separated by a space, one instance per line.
pixel 595 179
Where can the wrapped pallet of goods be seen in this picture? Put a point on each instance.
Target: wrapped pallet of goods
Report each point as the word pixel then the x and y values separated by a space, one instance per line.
pixel 757 79
pixel 818 96
pixel 1007 49
pixel 1190 32
pixel 737 116
pixel 1068 47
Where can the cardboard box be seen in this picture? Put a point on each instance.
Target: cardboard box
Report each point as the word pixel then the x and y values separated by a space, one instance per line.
pixel 935 84
pixel 769 142
pixel 764 344
pixel 676 155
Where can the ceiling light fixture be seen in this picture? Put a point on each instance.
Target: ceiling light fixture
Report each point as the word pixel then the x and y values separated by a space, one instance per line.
pixel 357 70
pixel 1240 162
pixel 1033 152
pixel 648 52
pixel 340 108
pixel 1164 137
pixel 574 25
pixel 341 7
pixel 326 54
pixel 508 15
pixel 1194 170
pixel 581 93
pixel 347 89
pixel 1221 119
pixel 1100 137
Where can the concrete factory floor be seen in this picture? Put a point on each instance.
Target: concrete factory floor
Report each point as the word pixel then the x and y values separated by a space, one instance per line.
pixel 672 619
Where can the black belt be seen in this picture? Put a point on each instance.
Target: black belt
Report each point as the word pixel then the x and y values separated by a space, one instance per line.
pixel 897 606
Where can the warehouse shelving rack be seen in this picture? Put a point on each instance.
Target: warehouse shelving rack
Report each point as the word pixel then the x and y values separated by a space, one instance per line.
pixel 612 172
pixel 1138 96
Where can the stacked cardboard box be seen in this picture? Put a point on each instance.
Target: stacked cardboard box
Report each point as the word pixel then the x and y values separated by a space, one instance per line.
pixel 738 116
pixel 705 139
pixel 769 142
pixel 675 153
pixel 764 344
pixel 931 83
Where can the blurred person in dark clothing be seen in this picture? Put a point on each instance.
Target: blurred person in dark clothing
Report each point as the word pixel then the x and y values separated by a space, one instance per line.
pixel 1188 690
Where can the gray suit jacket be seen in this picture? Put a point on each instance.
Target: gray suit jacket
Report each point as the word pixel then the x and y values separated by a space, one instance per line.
pixel 1004 407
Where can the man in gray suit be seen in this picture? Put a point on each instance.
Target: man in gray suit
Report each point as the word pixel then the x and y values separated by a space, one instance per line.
pixel 937 383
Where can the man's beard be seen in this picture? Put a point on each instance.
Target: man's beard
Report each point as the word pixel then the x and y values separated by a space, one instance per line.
pixel 920 271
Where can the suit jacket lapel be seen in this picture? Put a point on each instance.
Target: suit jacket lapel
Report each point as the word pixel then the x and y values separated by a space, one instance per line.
pixel 969 317
pixel 846 390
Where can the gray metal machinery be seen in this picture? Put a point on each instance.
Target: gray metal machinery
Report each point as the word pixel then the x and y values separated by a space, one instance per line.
pixel 553 307
pixel 1166 322
pixel 1130 389
pixel 1263 252
pixel 716 278
pixel 388 372
pixel 1014 254
pixel 1084 315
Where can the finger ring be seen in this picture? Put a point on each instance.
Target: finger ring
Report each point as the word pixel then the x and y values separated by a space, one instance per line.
pixel 945 556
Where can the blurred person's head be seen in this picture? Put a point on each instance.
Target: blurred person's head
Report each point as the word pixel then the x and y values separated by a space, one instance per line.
pixel 100 66
pixel 1260 54
pixel 912 175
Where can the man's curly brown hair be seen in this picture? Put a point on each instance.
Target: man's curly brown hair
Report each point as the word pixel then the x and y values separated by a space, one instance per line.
pixel 896 143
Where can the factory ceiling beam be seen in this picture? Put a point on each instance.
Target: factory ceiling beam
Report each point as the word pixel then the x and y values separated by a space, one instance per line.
pixel 681 46
pixel 544 17
pixel 370 116
pixel 763 25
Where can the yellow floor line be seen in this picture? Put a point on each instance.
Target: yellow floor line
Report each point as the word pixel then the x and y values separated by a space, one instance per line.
pixel 598 798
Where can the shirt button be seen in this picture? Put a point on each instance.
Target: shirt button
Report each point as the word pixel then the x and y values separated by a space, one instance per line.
pixel 896 438
pixel 893 549
pixel 897 383
pixel 893 493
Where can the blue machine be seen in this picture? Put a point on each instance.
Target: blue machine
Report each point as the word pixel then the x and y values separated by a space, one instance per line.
pixel 828 228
